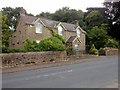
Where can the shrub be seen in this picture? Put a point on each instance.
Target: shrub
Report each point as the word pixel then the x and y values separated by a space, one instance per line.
pixel 112 43
pixel 51 44
pixel 93 50
pixel 70 51
pixel 10 50
pixel 101 51
pixel 28 45
pixel 5 50
pixel 54 34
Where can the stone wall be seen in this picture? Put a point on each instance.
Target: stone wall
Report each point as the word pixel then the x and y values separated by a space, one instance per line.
pixel 110 51
pixel 17 59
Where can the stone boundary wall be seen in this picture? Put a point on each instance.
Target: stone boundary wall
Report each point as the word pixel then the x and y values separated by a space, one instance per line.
pixel 17 59
pixel 110 51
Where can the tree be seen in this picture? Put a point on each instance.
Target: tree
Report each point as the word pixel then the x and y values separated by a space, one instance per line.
pixel 6 33
pixel 112 43
pixel 113 15
pixel 45 14
pixel 98 37
pixel 69 15
pixel 65 15
pixel 0 31
pixel 12 16
pixel 94 18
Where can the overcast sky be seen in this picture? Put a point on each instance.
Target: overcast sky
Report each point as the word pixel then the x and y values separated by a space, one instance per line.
pixel 38 6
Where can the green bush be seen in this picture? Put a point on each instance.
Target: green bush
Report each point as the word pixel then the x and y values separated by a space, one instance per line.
pixel 10 50
pixel 70 51
pixel 93 50
pixel 112 43
pixel 51 44
pixel 54 34
pixel 29 46
pixel 5 50
pixel 101 51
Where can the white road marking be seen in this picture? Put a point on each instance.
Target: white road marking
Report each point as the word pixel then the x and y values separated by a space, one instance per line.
pixel 51 74
pixel 46 75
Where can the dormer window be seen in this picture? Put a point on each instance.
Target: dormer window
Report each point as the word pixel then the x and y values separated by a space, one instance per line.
pixel 30 25
pixel 38 27
pixel 78 33
pixel 60 29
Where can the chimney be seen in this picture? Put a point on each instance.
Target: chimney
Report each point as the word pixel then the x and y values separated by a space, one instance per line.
pixel 77 22
pixel 22 11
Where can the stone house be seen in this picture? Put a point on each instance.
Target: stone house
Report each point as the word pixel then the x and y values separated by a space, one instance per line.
pixel 37 29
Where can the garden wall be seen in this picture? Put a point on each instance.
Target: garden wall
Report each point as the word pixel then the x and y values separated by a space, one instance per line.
pixel 110 51
pixel 17 59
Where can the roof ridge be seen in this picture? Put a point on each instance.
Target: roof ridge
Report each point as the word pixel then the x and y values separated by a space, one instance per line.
pixel 56 20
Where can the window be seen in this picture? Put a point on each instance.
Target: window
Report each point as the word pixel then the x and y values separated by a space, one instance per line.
pixel 37 41
pixel 17 42
pixel 60 30
pixel 78 33
pixel 30 26
pixel 38 28
pixel 77 47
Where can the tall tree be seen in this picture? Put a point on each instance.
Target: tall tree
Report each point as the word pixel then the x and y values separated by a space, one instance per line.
pixel 6 33
pixel 113 15
pixel 12 16
pixel 69 15
pixel 0 30
pixel 45 14
pixel 65 14
pixel 94 18
pixel 98 36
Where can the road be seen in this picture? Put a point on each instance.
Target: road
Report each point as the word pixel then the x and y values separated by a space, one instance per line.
pixel 93 74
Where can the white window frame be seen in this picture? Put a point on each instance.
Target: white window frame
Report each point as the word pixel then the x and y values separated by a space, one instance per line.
pixel 60 30
pixel 38 27
pixel 77 46
pixel 78 33
pixel 30 25
pixel 37 41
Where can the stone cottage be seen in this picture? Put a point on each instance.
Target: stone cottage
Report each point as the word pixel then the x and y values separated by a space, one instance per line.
pixel 37 29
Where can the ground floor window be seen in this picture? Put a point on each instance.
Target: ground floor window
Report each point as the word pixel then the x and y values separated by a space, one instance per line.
pixel 77 47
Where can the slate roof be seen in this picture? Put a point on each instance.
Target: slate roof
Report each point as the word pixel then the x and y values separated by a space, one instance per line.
pixel 71 39
pixel 28 19
pixel 48 22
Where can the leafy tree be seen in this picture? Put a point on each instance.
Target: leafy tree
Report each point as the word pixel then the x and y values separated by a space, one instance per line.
pixel 0 31
pixel 69 15
pixel 94 18
pixel 112 43
pixel 45 14
pixel 12 16
pixel 6 33
pixel 113 15
pixel 97 36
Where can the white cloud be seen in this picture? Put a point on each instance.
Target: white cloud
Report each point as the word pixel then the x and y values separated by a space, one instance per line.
pixel 37 6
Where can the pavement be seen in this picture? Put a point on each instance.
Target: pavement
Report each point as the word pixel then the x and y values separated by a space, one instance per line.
pixel 112 85
pixel 94 73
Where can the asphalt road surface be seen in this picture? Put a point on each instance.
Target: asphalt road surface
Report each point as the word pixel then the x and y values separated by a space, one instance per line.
pixel 93 74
